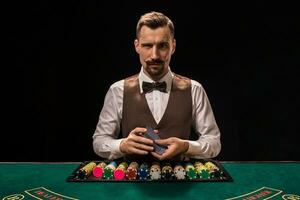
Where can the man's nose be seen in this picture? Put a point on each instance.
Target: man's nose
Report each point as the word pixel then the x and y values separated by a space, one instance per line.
pixel 154 54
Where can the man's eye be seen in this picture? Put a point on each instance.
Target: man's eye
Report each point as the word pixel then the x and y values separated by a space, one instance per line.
pixel 163 45
pixel 147 45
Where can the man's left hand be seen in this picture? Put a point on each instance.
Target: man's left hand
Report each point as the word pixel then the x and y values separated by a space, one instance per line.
pixel 175 146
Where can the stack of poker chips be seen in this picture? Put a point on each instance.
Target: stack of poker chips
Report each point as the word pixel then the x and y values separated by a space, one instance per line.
pixel 214 170
pixel 167 171
pixel 86 171
pixel 120 171
pixel 179 172
pixel 109 170
pixel 155 171
pixel 201 170
pixel 98 170
pixel 115 170
pixel 132 171
pixel 143 171
pixel 190 171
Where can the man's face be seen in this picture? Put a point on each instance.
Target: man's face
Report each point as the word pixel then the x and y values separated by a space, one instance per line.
pixel 155 48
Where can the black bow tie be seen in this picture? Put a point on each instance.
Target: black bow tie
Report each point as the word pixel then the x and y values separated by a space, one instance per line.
pixel 149 87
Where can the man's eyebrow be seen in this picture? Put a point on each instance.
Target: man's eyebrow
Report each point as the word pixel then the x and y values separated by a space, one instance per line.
pixel 150 43
pixel 146 43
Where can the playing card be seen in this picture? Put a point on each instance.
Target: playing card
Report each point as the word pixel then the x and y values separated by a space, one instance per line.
pixel 153 136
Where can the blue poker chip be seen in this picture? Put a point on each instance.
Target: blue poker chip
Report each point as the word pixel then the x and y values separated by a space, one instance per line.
pixel 143 174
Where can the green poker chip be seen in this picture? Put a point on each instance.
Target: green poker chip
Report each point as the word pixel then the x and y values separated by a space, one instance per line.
pixel 204 173
pixel 108 173
pixel 191 174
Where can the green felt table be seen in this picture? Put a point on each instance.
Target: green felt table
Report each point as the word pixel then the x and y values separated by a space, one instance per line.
pixel 17 178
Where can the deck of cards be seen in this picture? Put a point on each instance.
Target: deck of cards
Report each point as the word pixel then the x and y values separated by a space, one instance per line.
pixel 153 136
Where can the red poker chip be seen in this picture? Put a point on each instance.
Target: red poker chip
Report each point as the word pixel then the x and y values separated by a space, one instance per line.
pixel 98 172
pixel 119 174
pixel 131 174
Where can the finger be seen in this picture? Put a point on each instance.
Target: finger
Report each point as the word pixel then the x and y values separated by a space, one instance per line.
pixel 169 153
pixel 158 156
pixel 141 146
pixel 140 139
pixel 138 131
pixel 164 142
pixel 138 151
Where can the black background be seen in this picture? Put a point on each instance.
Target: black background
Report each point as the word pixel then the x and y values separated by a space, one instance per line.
pixel 65 55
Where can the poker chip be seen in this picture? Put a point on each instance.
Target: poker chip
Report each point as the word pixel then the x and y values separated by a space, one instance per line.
pixel 190 171
pixel 86 170
pixel 155 171
pixel 98 170
pixel 204 173
pixel 167 171
pixel 108 173
pixel 131 173
pixel 143 171
pixel 120 171
pixel 155 175
pixel 109 170
pixel 216 174
pixel 179 172
pixel 167 175
pixel 119 174
pixel 191 174
pixel 132 170
pixel 202 170
pixel 210 166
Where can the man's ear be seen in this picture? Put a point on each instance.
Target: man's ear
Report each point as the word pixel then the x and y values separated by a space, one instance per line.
pixel 136 45
pixel 174 46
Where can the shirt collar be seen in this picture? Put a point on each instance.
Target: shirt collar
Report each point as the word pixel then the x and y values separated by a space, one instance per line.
pixel 167 78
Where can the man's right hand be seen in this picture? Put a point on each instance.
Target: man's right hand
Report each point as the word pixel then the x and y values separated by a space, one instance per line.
pixel 135 143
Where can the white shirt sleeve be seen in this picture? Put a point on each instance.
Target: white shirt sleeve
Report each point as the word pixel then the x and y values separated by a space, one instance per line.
pixel 208 144
pixel 105 139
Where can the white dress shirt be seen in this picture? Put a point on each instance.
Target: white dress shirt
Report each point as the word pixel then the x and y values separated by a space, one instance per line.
pixel 106 144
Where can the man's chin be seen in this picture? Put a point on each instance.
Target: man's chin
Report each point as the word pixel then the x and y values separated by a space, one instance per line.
pixel 155 68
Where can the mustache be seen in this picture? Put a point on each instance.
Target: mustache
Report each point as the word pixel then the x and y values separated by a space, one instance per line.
pixel 154 62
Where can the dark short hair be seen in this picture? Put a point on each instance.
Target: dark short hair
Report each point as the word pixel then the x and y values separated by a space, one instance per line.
pixel 154 20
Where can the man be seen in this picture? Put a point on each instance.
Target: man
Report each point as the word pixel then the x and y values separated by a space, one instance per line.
pixel 175 109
